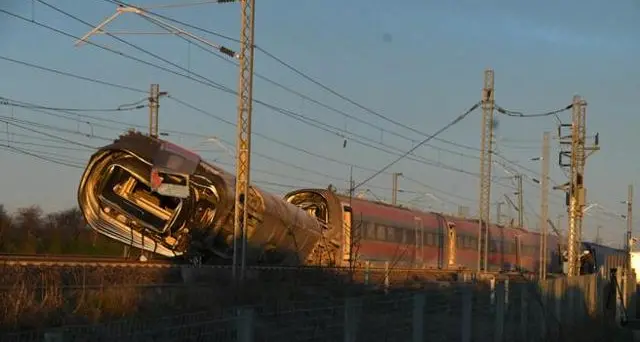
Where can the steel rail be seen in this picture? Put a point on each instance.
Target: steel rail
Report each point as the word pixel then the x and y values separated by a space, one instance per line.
pixel 86 261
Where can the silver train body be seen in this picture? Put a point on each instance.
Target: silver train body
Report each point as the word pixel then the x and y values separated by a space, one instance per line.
pixel 153 195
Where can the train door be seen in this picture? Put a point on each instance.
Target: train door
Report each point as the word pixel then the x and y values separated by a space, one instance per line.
pixel 347 236
pixel 451 230
pixel 419 242
pixel 518 252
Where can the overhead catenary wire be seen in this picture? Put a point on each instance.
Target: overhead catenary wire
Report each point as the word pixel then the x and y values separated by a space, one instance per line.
pixel 452 123
pixel 72 75
pixel 313 80
pixel 206 81
pixel 32 108
pixel 519 114
pixel 100 82
pixel 123 108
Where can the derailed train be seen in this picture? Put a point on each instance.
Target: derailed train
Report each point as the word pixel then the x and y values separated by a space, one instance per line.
pixel 153 195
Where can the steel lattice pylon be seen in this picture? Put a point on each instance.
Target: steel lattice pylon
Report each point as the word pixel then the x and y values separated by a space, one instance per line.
pixel 243 146
pixel 484 213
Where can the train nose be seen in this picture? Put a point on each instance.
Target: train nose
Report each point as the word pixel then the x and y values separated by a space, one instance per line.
pixel 117 200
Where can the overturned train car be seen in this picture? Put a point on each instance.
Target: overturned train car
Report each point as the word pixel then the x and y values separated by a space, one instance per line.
pixel 154 195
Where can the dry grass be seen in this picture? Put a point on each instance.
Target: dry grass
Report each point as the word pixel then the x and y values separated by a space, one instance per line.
pixel 33 297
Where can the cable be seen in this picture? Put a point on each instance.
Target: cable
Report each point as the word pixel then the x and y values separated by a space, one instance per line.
pixel 46 134
pixel 35 155
pixel 270 158
pixel 288 65
pixel 182 102
pixel 421 160
pixel 522 115
pixel 127 124
pixel 68 74
pixel 452 123
pixel 323 86
pixel 14 103
pixel 220 35
pixel 209 83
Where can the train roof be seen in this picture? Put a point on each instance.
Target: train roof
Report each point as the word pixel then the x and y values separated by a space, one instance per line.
pixel 601 246
pixel 468 223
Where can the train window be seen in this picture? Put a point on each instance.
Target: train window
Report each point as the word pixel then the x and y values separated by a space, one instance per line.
pixel 391 236
pixel 410 236
pixel 371 231
pixel 380 232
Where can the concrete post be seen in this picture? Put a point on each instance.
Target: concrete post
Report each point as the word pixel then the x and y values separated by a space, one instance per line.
pixel 499 317
pixel 418 317
pixel 467 310
pixel 53 336
pixel 524 311
pixel 245 324
pixel 351 316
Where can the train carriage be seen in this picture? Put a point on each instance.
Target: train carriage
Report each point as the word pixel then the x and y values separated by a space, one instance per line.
pixel 154 195
pixel 378 233
pixel 157 196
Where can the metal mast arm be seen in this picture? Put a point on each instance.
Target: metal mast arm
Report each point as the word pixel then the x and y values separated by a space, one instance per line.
pixel 243 147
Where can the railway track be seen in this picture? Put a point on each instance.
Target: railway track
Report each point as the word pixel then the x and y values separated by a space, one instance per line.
pixel 78 260
pixel 86 261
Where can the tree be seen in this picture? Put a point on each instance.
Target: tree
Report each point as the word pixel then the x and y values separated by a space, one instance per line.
pixel 29 223
pixel 5 225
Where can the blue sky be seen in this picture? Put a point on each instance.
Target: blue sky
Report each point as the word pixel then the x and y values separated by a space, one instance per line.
pixel 420 63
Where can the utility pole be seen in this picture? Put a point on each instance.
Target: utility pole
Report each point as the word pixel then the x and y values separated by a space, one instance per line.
pixel 544 205
pixel 484 212
pixel 154 98
pixel 598 240
pixel 520 202
pixel 154 105
pixel 243 146
pixel 463 211
pixel 394 195
pixel 629 224
pixel 499 212
pixel 575 190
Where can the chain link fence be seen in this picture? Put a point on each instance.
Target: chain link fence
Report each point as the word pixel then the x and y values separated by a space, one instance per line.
pixel 555 310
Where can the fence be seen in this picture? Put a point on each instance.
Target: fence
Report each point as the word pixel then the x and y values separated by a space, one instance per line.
pixel 560 309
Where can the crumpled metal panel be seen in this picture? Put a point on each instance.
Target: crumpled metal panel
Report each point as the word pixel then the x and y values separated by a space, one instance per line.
pixel 117 200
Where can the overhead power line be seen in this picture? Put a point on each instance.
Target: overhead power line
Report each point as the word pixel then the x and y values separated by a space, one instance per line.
pixel 123 108
pixel 307 77
pixel 452 123
pixel 205 82
pixel 126 87
pixel 76 76
pixel 514 113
